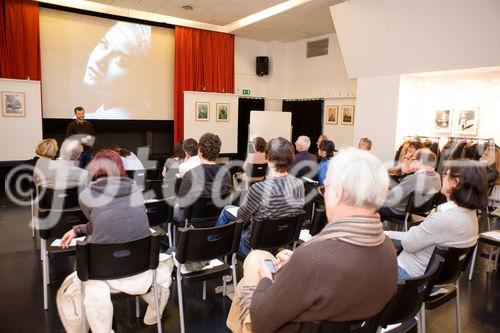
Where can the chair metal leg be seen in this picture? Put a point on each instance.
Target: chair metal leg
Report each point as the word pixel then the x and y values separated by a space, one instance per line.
pixel 233 266
pixel 169 228
pixel 488 217
pixel 406 222
pixel 223 286
pixel 84 318
pixel 137 310
pixel 422 319
pixel 457 308
pixel 157 303
pixel 179 297
pixel 45 274
pixel 204 290
pixel 496 259
pixel 473 262
pixel 490 258
pixel 32 217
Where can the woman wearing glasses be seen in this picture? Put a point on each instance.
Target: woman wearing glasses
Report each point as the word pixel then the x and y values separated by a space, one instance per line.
pixel 455 222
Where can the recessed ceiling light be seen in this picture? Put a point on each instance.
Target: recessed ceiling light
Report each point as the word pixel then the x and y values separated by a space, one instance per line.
pixel 187 7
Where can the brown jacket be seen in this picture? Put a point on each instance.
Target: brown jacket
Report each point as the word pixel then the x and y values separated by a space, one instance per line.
pixel 330 280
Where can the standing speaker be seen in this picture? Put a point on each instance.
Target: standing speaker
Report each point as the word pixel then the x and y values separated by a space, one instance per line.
pixel 262 66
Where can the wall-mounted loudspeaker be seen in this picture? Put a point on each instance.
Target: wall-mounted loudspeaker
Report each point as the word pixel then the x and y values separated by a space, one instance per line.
pixel 262 66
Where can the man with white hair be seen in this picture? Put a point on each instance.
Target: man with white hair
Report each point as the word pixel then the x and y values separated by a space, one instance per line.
pixel 346 272
pixel 63 172
pixel 305 163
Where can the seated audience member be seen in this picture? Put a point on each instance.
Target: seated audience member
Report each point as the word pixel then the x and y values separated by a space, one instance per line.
pixel 207 180
pixel 191 159
pixel 173 162
pixel 326 150
pixel 305 163
pixel 455 222
pixel 114 206
pixel 405 166
pixel 424 180
pixel 130 160
pixel 491 161
pixel 280 195
pixel 46 150
pixel 321 138
pixel 365 144
pixel 258 157
pixel 346 272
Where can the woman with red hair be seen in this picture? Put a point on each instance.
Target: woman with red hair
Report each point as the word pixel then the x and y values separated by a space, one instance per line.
pixel 115 208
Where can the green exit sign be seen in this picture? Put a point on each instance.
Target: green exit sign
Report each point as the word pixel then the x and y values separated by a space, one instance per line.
pixel 246 91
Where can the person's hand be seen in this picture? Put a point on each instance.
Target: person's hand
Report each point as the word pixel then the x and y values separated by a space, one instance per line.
pixel 66 240
pixel 264 272
pixel 282 259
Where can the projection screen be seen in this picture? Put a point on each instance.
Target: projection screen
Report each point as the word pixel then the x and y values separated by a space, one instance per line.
pixel 114 69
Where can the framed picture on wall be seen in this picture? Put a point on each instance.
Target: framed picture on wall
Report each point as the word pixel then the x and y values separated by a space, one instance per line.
pixel 202 111
pixel 443 120
pixel 13 104
pixel 332 114
pixel 467 122
pixel 347 114
pixel 222 110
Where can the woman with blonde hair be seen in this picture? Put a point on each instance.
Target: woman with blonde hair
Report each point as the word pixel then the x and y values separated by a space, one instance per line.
pixel 46 152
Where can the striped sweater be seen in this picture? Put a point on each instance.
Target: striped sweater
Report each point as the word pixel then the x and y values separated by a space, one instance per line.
pixel 272 198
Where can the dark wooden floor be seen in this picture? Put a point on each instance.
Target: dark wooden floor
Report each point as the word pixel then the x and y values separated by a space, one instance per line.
pixel 22 310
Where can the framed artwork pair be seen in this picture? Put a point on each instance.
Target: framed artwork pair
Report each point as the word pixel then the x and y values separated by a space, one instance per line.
pixel 202 111
pixel 346 114
pixel 464 122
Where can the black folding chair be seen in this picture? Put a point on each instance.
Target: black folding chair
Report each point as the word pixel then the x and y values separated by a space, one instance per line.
pixel 54 224
pixel 203 213
pixel 418 206
pixel 407 302
pixel 486 238
pixel 455 263
pixel 58 199
pixel 255 171
pixel 205 244
pixel 273 234
pixel 116 261
pixel 318 222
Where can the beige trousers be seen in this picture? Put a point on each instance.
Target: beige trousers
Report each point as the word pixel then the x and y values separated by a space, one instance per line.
pixel 250 278
pixel 97 302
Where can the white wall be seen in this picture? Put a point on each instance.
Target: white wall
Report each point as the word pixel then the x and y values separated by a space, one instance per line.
pixel 342 135
pixel 245 52
pixel 376 114
pixel 227 131
pixel 388 37
pixel 20 135
pixel 322 76
pixel 420 97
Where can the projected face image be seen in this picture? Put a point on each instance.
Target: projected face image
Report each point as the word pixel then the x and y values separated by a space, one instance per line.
pixel 118 58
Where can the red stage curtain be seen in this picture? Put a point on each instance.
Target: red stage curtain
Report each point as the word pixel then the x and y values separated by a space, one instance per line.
pixel 204 61
pixel 19 40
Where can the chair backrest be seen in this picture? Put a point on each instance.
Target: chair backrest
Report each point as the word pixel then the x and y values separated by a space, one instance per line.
pixel 410 295
pixel 201 244
pixel 202 213
pixel 52 199
pixel 356 326
pixel 256 170
pixel 160 189
pixel 421 203
pixel 115 261
pixel 271 234
pixel 311 195
pixel 456 261
pixel 318 221
pixel 158 211
pixel 55 223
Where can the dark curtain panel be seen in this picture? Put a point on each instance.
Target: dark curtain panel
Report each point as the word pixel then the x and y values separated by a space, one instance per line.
pixel 306 119
pixel 245 105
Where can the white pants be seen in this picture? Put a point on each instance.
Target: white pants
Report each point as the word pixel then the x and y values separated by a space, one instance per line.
pixel 97 302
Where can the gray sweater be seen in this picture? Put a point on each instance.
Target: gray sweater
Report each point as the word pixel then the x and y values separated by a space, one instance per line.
pixel 451 226
pixel 115 209
pixel 424 181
